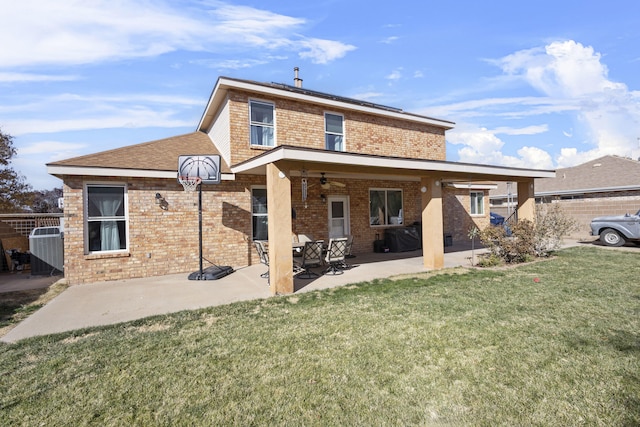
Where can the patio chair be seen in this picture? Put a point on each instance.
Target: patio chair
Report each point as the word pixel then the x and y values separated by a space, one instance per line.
pixel 348 253
pixel 349 245
pixel 336 253
pixel 263 253
pixel 311 257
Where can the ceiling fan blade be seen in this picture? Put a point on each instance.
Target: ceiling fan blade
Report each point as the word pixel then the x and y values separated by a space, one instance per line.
pixel 338 184
pixel 325 186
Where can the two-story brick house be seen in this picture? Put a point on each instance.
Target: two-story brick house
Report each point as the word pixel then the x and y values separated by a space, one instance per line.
pixel 367 167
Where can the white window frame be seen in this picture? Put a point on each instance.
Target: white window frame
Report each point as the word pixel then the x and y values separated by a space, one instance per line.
pixel 259 214
pixel 386 207
pixel 473 196
pixel 327 133
pixel 261 124
pixel 88 219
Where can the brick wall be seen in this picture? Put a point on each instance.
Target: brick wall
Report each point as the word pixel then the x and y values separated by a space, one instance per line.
pixel 166 241
pixel 584 210
pixel 457 220
pixel 163 241
pixel 590 206
pixel 302 124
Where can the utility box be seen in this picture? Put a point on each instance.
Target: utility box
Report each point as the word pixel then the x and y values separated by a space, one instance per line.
pixel 47 250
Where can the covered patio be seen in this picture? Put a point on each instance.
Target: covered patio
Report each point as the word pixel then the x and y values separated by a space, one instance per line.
pixel 284 163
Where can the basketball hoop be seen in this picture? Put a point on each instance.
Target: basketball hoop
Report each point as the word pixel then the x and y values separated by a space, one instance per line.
pixel 189 183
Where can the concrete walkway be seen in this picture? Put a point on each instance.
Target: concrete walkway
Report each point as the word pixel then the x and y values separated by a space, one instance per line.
pixel 125 300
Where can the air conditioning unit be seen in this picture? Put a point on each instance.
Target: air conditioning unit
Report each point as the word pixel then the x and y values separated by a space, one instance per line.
pixel 47 250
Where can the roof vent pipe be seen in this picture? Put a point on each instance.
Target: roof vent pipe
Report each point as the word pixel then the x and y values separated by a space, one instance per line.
pixel 297 81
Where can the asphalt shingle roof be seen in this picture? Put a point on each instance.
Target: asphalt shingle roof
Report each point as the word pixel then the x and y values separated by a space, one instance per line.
pixel 607 172
pixel 159 155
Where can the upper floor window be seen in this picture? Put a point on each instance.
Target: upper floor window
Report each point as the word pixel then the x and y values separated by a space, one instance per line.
pixel 262 123
pixel 334 132
pixel 477 203
pixel 106 219
pixel 385 207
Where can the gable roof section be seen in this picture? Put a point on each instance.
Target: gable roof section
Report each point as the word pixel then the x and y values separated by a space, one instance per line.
pixel 608 173
pixel 219 94
pixel 154 159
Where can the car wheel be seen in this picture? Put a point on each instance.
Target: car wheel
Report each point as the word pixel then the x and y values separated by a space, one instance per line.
pixel 611 237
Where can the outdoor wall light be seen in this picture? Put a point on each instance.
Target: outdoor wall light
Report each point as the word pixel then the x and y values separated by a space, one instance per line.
pixel 164 205
pixel 423 189
pixel 323 198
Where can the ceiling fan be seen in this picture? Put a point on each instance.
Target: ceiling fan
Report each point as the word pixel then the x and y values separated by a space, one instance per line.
pixel 326 184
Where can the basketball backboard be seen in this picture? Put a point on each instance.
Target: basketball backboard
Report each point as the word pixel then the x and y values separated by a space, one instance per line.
pixel 207 168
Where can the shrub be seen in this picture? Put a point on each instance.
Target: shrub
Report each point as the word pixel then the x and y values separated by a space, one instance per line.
pixel 528 240
pixel 551 226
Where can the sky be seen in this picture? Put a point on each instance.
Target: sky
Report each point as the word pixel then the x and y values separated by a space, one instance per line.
pixel 535 84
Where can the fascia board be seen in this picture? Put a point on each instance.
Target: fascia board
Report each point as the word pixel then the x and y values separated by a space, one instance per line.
pixel 459 185
pixel 126 173
pixel 349 159
pixel 578 191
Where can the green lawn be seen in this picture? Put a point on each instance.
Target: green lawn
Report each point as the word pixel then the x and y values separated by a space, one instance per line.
pixel 479 348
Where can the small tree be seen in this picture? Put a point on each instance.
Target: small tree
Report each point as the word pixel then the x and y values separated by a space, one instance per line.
pixel 46 201
pixel 473 233
pixel 15 193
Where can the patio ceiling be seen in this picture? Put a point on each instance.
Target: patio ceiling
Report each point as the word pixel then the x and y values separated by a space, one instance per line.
pixel 363 166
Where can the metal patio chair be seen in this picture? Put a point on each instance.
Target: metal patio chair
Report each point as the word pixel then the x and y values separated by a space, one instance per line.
pixel 336 253
pixel 311 257
pixel 263 253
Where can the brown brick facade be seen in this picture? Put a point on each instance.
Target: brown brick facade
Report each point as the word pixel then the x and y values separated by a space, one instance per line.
pixel 456 203
pixel 302 125
pixel 166 241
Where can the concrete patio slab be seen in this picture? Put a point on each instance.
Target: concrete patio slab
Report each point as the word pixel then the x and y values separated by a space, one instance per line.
pixel 125 300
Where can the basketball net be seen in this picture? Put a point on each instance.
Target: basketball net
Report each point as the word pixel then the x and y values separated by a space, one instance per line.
pixel 189 183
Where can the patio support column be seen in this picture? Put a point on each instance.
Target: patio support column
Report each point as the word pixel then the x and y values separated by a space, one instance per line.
pixel 526 200
pixel 279 219
pixel 432 234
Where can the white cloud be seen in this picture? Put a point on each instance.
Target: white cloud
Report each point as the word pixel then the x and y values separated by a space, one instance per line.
pixel 573 82
pixel 69 33
pixel 395 74
pixel 323 51
pixel 390 39
pixel 484 147
pixel 29 77
pixel 367 95
pixel 125 118
pixel 527 130
pixel 418 74
pixel 49 147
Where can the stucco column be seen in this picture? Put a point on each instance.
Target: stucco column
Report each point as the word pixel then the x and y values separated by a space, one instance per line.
pixel 432 233
pixel 526 200
pixel 279 218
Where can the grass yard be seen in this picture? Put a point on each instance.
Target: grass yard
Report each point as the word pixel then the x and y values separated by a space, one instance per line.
pixel 485 348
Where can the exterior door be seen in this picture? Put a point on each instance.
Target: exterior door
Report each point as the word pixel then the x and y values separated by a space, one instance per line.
pixel 339 221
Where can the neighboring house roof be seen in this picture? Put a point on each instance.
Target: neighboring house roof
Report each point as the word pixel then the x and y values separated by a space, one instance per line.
pixel 154 159
pixel 608 173
pixel 219 94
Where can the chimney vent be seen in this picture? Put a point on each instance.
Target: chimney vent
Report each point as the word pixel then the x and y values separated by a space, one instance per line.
pixel 297 81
